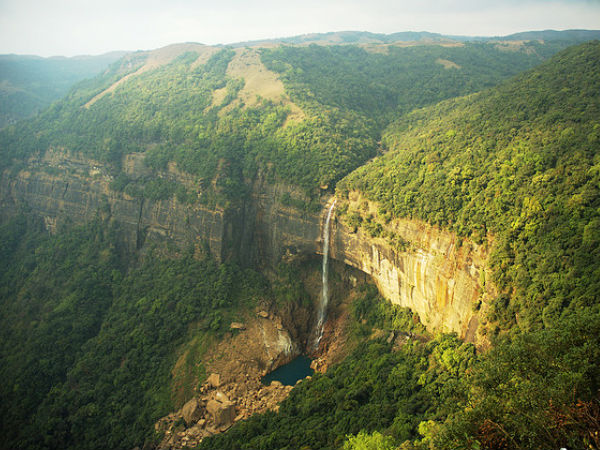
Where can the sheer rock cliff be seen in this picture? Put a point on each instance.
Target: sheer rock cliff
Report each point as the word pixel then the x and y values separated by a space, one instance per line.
pixel 437 275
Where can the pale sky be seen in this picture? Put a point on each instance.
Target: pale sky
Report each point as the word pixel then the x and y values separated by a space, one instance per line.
pixel 75 27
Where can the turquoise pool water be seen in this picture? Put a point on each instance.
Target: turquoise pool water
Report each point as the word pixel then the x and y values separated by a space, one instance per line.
pixel 291 372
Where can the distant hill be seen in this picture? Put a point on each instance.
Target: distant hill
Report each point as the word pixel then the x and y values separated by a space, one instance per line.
pixel 343 94
pixel 349 37
pixel 553 35
pixel 365 37
pixel 29 84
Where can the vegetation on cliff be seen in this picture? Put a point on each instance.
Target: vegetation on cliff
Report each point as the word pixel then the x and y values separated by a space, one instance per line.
pixel 387 386
pixel 89 337
pixel 518 163
pixel 516 166
pixel 535 391
pixel 172 113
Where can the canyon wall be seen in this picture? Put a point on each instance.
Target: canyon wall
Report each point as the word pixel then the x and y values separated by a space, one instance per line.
pixel 64 188
pixel 437 275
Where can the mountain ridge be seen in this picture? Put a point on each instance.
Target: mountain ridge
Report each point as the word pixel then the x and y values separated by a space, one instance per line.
pixel 366 37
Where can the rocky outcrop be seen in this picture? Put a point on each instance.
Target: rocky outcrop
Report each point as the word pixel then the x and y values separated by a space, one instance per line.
pixel 274 231
pixel 191 412
pixel 217 412
pixel 222 411
pixel 233 391
pixel 437 275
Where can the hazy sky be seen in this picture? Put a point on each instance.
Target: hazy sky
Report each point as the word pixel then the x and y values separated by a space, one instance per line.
pixel 72 27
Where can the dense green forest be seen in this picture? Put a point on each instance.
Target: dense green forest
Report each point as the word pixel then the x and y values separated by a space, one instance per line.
pixel 347 93
pixel 89 340
pixel 394 80
pixel 89 336
pixel 517 164
pixel 90 331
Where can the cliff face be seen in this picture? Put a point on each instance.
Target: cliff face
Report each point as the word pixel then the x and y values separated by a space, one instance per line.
pixel 274 231
pixel 437 275
pixel 62 187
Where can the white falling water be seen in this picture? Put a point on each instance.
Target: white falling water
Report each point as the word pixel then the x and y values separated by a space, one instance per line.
pixel 325 287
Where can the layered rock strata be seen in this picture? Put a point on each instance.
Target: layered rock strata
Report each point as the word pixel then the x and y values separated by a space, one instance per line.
pixel 63 188
pixel 437 275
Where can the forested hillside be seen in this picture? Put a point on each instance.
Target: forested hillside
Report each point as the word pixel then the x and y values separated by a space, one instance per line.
pixel 515 167
pixel 456 136
pixel 518 166
pixel 347 93
pixel 88 344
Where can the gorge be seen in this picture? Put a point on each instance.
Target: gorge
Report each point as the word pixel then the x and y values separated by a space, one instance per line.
pixel 425 214
pixel 437 276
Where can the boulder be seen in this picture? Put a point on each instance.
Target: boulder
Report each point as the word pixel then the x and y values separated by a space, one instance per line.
pixel 214 380
pixel 223 414
pixel 191 412
pixel 221 397
pixel 237 326
pixel 263 314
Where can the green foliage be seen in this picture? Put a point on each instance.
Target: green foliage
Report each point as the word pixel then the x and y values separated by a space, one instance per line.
pixel 347 93
pixel 87 345
pixel 288 287
pixel 519 162
pixel 364 441
pixel 537 390
pixel 88 337
pixel 394 81
pixel 370 310
pixel 54 297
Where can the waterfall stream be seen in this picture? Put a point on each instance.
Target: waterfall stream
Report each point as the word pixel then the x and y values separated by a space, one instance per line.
pixel 325 287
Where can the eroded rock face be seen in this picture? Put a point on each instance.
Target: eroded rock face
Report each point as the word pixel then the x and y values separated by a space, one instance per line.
pixel 234 390
pixel 222 414
pixel 63 187
pixel 437 275
pixel 191 412
pixel 274 231
pixel 214 380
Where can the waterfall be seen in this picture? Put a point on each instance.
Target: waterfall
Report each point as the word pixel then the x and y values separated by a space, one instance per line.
pixel 325 286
